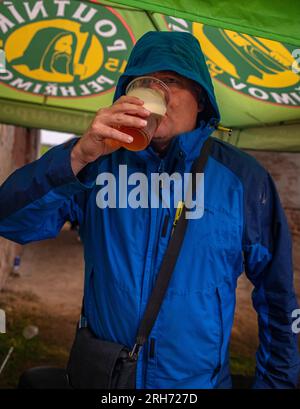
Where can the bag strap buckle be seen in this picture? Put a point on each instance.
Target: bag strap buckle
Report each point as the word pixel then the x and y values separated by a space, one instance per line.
pixel 135 352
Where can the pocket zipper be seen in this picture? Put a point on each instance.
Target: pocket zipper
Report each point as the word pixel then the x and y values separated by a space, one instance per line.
pixel 152 348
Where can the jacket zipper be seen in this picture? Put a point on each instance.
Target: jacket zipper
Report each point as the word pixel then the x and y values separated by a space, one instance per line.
pixel 154 254
pixel 152 348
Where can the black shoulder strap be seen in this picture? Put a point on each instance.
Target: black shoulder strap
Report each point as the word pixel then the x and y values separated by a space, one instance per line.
pixel 169 261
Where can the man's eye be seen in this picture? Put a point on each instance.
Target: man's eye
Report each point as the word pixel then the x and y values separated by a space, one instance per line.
pixel 169 81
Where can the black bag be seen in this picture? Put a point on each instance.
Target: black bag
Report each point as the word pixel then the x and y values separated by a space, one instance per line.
pixel 99 364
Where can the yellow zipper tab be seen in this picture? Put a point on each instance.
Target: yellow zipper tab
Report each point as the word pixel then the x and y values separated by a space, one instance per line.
pixel 224 129
pixel 177 214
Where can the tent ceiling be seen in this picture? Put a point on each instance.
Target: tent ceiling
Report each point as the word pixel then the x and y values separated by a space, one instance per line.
pixel 276 20
pixel 48 87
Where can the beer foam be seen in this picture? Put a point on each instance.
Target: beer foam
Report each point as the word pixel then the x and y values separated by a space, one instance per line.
pixel 154 99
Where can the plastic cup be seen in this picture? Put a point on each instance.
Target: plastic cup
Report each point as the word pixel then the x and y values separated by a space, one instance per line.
pixel 155 95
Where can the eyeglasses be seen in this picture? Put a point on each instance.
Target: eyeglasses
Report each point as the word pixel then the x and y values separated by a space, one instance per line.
pixel 179 83
pixel 184 83
pixel 169 81
pixel 175 83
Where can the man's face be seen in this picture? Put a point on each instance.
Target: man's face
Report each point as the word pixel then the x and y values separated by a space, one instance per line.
pixel 182 108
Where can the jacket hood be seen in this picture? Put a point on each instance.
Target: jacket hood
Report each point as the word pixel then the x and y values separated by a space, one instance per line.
pixel 172 51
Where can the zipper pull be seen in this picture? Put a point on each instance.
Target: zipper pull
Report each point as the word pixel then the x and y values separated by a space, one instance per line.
pixel 161 166
pixel 177 214
pixel 224 129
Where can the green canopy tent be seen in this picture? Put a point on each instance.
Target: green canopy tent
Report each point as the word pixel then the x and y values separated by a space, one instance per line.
pixel 63 61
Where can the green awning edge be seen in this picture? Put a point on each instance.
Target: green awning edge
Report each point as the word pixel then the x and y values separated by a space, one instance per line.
pixel 281 138
pixel 284 138
pixel 45 117
pixel 286 29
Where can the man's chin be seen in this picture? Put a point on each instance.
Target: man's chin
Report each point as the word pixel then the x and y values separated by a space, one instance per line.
pixel 162 134
pixel 160 141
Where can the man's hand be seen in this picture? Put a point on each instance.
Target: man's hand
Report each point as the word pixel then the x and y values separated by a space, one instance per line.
pixel 102 137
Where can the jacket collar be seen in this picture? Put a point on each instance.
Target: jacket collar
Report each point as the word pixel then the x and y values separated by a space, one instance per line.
pixel 186 145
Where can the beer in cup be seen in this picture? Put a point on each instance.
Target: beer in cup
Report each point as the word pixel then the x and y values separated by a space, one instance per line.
pixel 155 95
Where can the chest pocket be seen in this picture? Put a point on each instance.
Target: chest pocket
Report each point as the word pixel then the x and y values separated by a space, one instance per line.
pixel 217 245
pixel 217 228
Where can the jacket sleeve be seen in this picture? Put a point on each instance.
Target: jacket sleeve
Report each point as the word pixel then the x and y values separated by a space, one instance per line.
pixel 268 265
pixel 38 198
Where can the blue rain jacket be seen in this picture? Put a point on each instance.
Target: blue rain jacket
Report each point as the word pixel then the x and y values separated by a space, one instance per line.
pixel 243 229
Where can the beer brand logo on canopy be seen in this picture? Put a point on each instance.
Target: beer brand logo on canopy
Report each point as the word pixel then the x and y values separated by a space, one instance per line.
pixel 62 48
pixel 254 66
